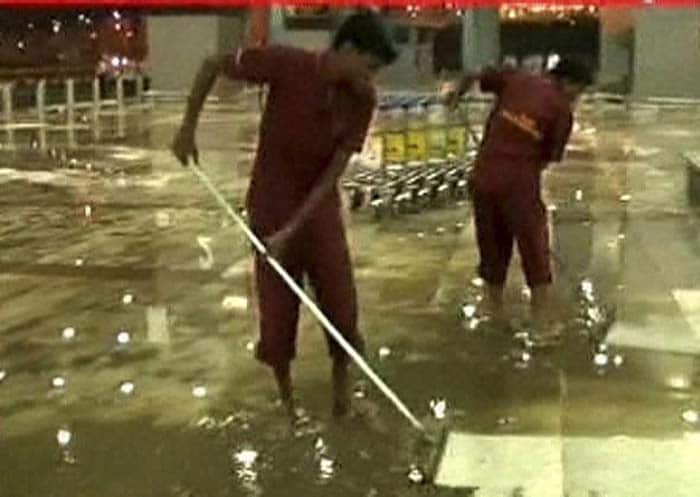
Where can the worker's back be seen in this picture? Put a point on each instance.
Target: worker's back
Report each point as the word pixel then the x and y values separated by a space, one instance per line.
pixel 524 130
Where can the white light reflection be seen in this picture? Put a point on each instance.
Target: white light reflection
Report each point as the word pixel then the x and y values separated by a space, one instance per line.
pixel 384 352
pixel 320 446
pixel 439 408
pixel 123 337
pixel 79 262
pixel 235 303
pixel 3 375
pixel 618 360
pixel 326 468
pixel 206 262
pixel 415 475
pixel 245 460
pixel 162 219
pixel 199 391
pixel 58 382
pixel 127 299
pixel 679 382
pixel 469 311
pixel 601 359
pixel 68 333
pixel 691 416
pixel 127 387
pixel 64 437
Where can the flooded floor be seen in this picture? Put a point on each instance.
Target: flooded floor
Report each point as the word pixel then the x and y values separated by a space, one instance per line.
pixel 127 326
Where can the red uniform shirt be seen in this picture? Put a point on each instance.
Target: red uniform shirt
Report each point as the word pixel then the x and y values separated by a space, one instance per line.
pixel 528 127
pixel 305 121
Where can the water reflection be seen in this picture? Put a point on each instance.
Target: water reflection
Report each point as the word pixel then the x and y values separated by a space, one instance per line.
pixel 199 391
pixel 127 388
pixel 64 437
pixel 245 466
pixel 68 333
pixel 469 375
pixel 123 337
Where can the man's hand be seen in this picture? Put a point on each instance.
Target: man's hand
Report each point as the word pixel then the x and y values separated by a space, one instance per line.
pixel 184 147
pixel 451 93
pixel 450 97
pixel 278 243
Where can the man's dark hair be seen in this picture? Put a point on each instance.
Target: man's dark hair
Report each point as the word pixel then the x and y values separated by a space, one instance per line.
pixel 573 71
pixel 366 32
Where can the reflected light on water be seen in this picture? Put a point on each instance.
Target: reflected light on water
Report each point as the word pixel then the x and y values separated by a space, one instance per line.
pixel 469 311
pixel 58 382
pixel 415 475
pixel 127 387
pixel 64 437
pixel 244 461
pixel 68 333
pixel 679 382
pixel 601 359
pixel 199 391
pixel 691 416
pixel 439 408
pixel 235 303
pixel 326 468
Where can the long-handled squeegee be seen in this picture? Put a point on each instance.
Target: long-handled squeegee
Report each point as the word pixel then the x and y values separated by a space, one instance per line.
pixel 310 304
pixel 431 444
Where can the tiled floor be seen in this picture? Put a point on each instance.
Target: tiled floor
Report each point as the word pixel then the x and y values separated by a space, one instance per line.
pixel 162 396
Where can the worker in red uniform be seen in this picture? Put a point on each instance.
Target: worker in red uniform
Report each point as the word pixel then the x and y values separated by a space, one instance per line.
pixel 317 114
pixel 528 128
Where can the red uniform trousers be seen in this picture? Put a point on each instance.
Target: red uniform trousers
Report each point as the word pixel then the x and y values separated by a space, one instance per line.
pixel 506 213
pixel 320 252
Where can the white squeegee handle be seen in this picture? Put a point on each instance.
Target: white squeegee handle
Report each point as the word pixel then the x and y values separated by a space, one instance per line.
pixel 325 322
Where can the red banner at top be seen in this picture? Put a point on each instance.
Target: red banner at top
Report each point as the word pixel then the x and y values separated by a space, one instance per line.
pixel 151 4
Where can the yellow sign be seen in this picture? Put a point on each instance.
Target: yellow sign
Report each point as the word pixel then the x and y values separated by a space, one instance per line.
pixel 394 148
pixel 456 140
pixel 437 139
pixel 416 145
